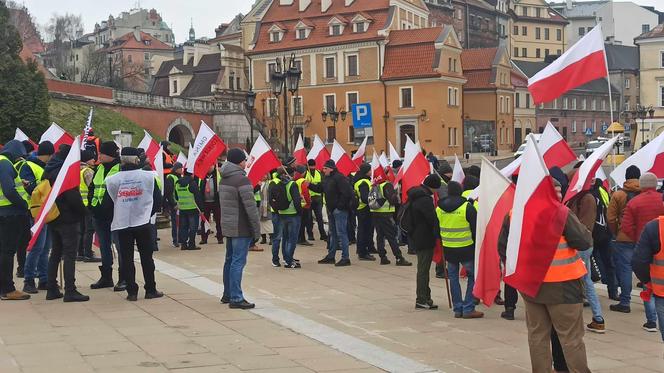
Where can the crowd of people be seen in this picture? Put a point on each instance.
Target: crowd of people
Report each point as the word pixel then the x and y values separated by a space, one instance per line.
pixel 607 238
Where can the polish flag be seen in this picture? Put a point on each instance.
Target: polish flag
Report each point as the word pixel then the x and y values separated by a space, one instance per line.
pixel 600 174
pixel 649 158
pixel 57 136
pixel 358 157
pixel 158 167
pixel 497 198
pixel 345 165
pixel 585 61
pixel 204 152
pixel 394 155
pixel 151 148
pixel 415 168
pixel 318 152
pixel 182 159
pixel 300 153
pixel 260 161
pixel 21 136
pixel 554 148
pixel 457 173
pixel 68 178
pixel 585 175
pixel 409 144
pixel 383 160
pixel 538 220
pixel 377 170
pixel 511 168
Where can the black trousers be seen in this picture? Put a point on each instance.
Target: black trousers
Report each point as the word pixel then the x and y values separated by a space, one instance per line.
pixel 142 237
pixel 424 258
pixel 23 241
pixel 306 222
pixel 365 231
pixel 86 234
pixel 12 228
pixel 386 229
pixel 317 210
pixel 511 296
pixel 64 246
pixel 352 225
pixel 559 363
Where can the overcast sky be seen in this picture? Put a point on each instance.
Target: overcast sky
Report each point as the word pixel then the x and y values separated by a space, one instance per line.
pixel 206 14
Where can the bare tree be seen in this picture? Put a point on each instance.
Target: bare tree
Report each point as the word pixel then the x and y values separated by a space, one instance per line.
pixel 62 31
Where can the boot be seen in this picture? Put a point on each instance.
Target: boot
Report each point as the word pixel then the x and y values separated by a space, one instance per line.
pixel 270 239
pixel 90 257
pixel 75 296
pixel 508 314
pixel 53 293
pixel 106 280
pixel 402 262
pixel 263 239
pixel 29 287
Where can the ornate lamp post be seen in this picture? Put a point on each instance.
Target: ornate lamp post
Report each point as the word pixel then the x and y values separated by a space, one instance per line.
pixel 334 115
pixel 643 112
pixel 284 81
pixel 251 103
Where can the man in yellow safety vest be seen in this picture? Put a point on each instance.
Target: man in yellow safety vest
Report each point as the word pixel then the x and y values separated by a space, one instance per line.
pixel 85 253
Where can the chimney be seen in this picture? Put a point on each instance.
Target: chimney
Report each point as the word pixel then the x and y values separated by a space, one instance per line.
pixel 137 33
pixel 569 4
pixel 304 4
pixel 325 5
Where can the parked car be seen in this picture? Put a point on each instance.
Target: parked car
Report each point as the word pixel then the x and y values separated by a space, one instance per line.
pixel 591 146
pixel 522 147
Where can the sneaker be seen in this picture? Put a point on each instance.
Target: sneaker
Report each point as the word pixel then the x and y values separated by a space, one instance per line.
pixel 92 259
pixel 384 261
pixel 650 326
pixel 620 308
pixel 596 326
pixel 52 294
pixel 190 247
pixel 132 297
pixel 15 295
pixel 473 315
pixel 203 242
pixel 499 301
pixel 402 262
pixel 225 299
pixel 153 294
pixel 372 250
pixel 120 286
pixel 256 248
pixel 427 306
pixel 29 287
pixel 305 243
pixel 176 245
pixel 244 305
pixel 20 273
pixel 326 260
pixel 75 296
pixel 457 315
pixel 508 314
pixel 42 285
pixel 79 258
pixel 367 257
pixel 343 263
pixel 293 265
pixel 276 263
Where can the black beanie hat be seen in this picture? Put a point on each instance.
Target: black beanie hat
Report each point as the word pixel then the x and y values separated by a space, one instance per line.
pixel 454 188
pixel 129 151
pixel 311 162
pixel 396 163
pixel 474 171
pixel 87 155
pixel 63 150
pixel 109 148
pixel 330 164
pixel 632 172
pixel 289 160
pixel 236 156
pixel 29 148
pixel 46 148
pixel 364 168
pixel 432 181
pixel 444 167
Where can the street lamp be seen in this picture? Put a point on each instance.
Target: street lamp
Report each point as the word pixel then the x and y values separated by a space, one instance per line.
pixel 334 115
pixel 285 81
pixel 642 112
pixel 251 103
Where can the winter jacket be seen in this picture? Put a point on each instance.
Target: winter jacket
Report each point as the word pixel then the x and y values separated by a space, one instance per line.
pixel 463 254
pixel 566 292
pixel 426 229
pixel 215 185
pixel 390 196
pixel 649 244
pixel 294 193
pixel 104 210
pixel 29 179
pixel 69 203
pixel 584 206
pixel 13 150
pixel 640 210
pixel 169 192
pixel 337 190
pixel 194 188
pixel 617 208
pixel 442 191
pixel 236 195
pixel 364 190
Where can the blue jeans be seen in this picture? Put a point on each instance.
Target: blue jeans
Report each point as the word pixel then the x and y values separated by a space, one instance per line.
pixel 188 227
pixel 174 225
pixel 651 310
pixel 236 258
pixel 467 304
pixel 659 308
pixel 591 295
pixel 290 230
pixel 103 230
pixel 276 237
pixel 36 263
pixel 622 257
pixel 338 221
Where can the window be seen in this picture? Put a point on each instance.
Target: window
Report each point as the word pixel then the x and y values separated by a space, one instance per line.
pixel 594 126
pixel 449 64
pixel 516 30
pixel 626 83
pixel 574 103
pixel 546 34
pixel 537 53
pixel 454 65
pixel 351 63
pixel 645 28
pixel 524 30
pixel 527 100
pixel 585 125
pixel 330 67
pixel 661 57
pixel 524 52
pixel 582 31
pixel 565 100
pixel 351 99
pixel 573 126
pixel 559 35
pixel 593 105
pixel 538 33
pixel 517 100
pixel 661 95
pixel 238 86
pixel 452 96
pixel 301 34
pixel 175 86
pixel 558 52
pixel 351 134
pixel 231 83
pixel 406 97
pixel 456 96
pixel 330 102
pixel 502 105
pixel 129 59
pixel 538 12
pixel 507 105
pixel 272 107
pixel 275 36
pixel 335 30
pixel 603 105
pixel 331 134
pixel 627 105
pixel 359 27
pixel 452 133
pixel 516 52
pixel 524 11
pixel 584 105
pixel 297 106
pixel 554 105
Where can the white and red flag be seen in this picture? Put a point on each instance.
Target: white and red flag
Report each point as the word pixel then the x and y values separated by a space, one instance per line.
pixel 204 152
pixel 554 148
pixel 457 173
pixel 260 161
pixel 68 178
pixel 377 170
pixel 394 155
pixel 649 158
pixel 182 159
pixel 343 161
pixel 318 152
pixel 21 136
pixel 585 175
pixel 358 157
pixel 414 169
pixel 409 144
pixel 496 199
pixel 57 136
pixel 383 160
pixel 300 153
pixel 538 220
pixel 151 148
pixel 87 128
pixel 158 167
pixel 585 61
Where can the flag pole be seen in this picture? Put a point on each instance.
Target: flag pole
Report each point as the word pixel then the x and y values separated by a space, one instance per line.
pixel 608 82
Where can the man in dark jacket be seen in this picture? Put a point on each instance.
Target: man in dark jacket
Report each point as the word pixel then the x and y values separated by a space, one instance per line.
pixel 382 215
pixel 290 217
pixel 338 194
pixel 210 195
pixel 424 230
pixel 64 232
pixel 240 223
pixel 14 218
pixel 189 201
pixel 170 204
pixel 645 263
pixel 365 230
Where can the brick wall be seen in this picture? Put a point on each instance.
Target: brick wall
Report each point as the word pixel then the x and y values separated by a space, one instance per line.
pixel 79 89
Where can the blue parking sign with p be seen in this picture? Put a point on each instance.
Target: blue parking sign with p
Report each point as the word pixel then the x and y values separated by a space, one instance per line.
pixel 361 115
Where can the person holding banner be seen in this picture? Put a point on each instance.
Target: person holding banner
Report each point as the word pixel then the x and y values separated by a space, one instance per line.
pixel 14 218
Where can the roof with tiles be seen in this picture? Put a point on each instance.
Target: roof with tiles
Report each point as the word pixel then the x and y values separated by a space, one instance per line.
pixel 478 59
pixel 412 54
pixel 401 37
pixel 147 42
pixel 656 32
pixel 478 79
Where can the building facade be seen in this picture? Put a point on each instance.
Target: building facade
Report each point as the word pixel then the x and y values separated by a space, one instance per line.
pixel 525 117
pixel 537 31
pixel 623 64
pixel 148 21
pixel 475 21
pixel 651 88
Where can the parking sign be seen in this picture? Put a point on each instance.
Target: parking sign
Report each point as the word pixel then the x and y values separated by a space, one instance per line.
pixel 361 115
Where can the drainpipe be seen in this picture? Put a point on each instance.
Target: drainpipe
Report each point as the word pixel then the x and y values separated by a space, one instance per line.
pixel 380 77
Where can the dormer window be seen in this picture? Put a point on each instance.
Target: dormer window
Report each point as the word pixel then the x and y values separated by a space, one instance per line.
pixel 301 34
pixel 335 30
pixel 360 23
pixel 302 30
pixel 336 27
pixel 276 33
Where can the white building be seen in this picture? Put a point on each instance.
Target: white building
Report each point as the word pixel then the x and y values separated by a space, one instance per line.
pixel 621 21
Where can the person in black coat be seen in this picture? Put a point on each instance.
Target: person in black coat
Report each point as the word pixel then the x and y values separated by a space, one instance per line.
pixel 422 235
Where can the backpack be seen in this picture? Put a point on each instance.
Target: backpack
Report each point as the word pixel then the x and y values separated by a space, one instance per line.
pixel 375 195
pixel 37 200
pixel 279 196
pixel 404 217
pixel 601 232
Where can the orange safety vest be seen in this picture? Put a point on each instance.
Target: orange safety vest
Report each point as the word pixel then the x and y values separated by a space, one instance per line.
pixel 167 160
pixel 566 264
pixel 657 266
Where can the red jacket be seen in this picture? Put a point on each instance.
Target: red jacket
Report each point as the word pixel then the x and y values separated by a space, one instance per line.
pixel 639 211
